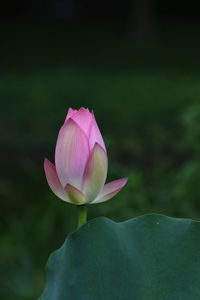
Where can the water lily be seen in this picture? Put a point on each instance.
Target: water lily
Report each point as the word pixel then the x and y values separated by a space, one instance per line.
pixel 81 162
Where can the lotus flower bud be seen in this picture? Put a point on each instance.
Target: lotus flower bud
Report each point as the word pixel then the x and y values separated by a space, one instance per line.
pixel 81 162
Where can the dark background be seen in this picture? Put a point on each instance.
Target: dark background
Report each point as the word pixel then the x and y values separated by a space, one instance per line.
pixel 136 63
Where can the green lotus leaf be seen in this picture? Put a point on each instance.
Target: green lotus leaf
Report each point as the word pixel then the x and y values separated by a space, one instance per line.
pixel 152 257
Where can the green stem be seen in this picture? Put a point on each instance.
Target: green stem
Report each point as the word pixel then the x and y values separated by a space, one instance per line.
pixel 82 215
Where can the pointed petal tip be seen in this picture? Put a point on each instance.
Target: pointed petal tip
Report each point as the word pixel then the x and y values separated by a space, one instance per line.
pixel 84 109
pixel 124 180
pixel 97 145
pixel 110 190
pixel 47 164
pixel 70 113
pixel 83 118
pixel 47 161
pixel 95 134
pixel 53 180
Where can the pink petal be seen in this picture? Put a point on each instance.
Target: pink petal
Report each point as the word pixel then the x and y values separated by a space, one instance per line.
pixel 110 190
pixel 53 180
pixel 75 196
pixel 83 118
pixel 95 135
pixel 72 152
pixel 95 173
pixel 70 113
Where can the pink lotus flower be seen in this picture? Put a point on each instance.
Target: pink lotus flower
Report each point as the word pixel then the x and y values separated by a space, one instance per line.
pixel 81 162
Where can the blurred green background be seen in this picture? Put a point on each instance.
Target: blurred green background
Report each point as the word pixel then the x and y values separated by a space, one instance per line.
pixel 143 82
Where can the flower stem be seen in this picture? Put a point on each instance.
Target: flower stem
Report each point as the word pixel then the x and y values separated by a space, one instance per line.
pixel 82 215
